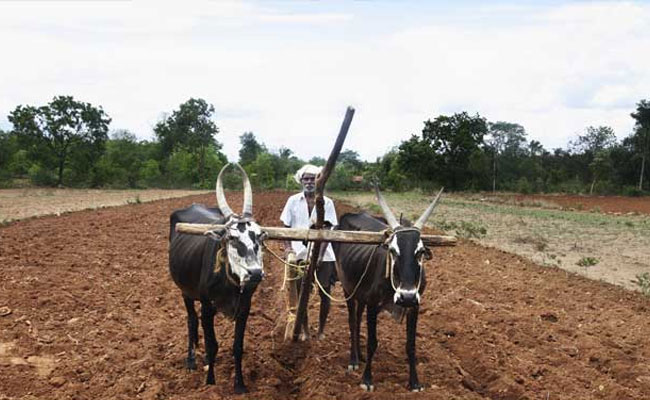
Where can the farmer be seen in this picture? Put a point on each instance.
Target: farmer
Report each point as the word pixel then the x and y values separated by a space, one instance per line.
pixel 299 212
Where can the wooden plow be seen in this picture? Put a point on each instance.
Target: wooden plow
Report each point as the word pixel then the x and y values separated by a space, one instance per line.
pixel 318 235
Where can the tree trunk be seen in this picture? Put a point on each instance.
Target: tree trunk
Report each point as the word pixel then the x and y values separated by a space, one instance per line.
pixel 202 165
pixel 494 174
pixel 591 190
pixel 59 181
pixel 643 156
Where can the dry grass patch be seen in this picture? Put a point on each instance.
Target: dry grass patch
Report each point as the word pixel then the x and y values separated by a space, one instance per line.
pixel 16 204
pixel 548 236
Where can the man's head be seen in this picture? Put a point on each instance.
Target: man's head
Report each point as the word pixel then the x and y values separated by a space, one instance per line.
pixel 308 182
pixel 306 177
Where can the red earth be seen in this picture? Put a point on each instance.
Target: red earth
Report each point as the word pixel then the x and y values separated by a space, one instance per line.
pixel 606 204
pixel 88 311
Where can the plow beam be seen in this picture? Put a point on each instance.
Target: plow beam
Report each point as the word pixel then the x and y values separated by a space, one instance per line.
pixel 321 235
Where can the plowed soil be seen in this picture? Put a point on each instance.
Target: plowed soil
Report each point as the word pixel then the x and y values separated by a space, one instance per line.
pixel 606 204
pixel 89 312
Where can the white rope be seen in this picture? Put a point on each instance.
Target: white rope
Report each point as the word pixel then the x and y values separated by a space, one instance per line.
pixel 355 288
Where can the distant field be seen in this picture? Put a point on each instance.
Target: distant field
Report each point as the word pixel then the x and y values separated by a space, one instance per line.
pixel 613 248
pixel 16 204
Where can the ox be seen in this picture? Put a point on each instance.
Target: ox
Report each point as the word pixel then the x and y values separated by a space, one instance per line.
pixel 220 270
pixel 385 277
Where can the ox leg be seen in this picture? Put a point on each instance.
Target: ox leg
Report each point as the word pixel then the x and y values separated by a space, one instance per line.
pixel 411 327
pixel 238 345
pixel 354 335
pixel 371 315
pixel 325 278
pixel 211 345
pixel 192 333
pixel 357 330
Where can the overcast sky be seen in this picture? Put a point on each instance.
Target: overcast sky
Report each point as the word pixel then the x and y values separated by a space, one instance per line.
pixel 286 70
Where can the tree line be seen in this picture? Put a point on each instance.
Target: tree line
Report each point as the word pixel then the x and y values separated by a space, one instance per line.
pixel 68 143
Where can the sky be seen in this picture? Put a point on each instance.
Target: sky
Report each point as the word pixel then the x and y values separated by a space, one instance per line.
pixel 287 70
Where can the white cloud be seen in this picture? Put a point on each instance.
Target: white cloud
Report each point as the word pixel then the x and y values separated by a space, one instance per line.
pixel 286 70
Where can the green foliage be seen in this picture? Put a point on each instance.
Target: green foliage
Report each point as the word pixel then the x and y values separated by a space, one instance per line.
pixel 60 130
pixel 41 176
pixel 189 129
pixel 250 149
pixel 465 229
pixel 150 173
pixel 643 282
pixel 587 262
pixel 261 171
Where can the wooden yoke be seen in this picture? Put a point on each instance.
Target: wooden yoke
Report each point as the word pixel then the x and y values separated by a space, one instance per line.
pixel 305 288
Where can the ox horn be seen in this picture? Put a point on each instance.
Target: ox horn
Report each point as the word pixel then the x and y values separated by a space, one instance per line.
pixel 427 213
pixel 221 197
pixel 388 214
pixel 248 193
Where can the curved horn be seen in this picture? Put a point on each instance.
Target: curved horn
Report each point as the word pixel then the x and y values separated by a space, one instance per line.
pixel 388 214
pixel 248 193
pixel 427 213
pixel 221 197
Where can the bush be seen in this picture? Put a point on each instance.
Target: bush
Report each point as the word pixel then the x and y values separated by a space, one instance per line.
pixel 523 186
pixel 150 173
pixel 40 176
pixel 632 191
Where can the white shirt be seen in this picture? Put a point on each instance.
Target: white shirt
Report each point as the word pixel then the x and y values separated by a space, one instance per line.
pixel 295 215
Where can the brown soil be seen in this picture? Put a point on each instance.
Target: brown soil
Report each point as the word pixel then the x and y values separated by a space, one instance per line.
pixel 606 204
pixel 94 315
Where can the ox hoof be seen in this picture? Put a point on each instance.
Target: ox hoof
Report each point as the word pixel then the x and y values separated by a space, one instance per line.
pixel 303 337
pixel 367 387
pixel 416 388
pixel 240 389
pixel 190 364
pixel 353 367
pixel 320 336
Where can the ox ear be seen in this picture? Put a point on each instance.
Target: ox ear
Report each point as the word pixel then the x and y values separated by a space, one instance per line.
pixel 263 236
pixel 427 253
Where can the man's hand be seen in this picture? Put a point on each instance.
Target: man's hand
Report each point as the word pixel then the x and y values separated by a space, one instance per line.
pixel 288 250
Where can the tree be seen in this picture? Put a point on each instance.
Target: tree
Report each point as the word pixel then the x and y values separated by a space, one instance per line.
pixel 250 148
pixel 594 146
pixel 63 127
pixel 642 134
pixel 351 159
pixel 594 140
pixel 454 139
pixel 502 136
pixel 190 128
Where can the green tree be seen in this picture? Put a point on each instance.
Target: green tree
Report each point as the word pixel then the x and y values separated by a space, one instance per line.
pixel 642 134
pixel 63 127
pixel 454 139
pixel 250 148
pixel 504 136
pixel 190 128
pixel 596 142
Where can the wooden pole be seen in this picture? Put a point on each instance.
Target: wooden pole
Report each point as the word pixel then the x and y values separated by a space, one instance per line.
pixel 310 235
pixel 305 288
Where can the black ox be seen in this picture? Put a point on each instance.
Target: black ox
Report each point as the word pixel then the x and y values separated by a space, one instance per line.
pixel 220 270
pixel 386 277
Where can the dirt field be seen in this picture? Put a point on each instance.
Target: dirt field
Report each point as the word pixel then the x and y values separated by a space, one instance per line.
pixel 16 204
pixel 605 204
pixel 94 315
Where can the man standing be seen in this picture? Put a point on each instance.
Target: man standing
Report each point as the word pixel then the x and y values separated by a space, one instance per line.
pixel 299 212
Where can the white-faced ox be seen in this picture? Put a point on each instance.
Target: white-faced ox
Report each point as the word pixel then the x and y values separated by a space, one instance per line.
pixel 387 277
pixel 220 270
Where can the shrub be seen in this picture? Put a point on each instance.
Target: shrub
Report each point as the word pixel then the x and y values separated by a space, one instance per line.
pixel 40 176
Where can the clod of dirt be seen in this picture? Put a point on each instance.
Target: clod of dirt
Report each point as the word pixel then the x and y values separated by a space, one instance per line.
pixel 550 317
pixel 57 381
